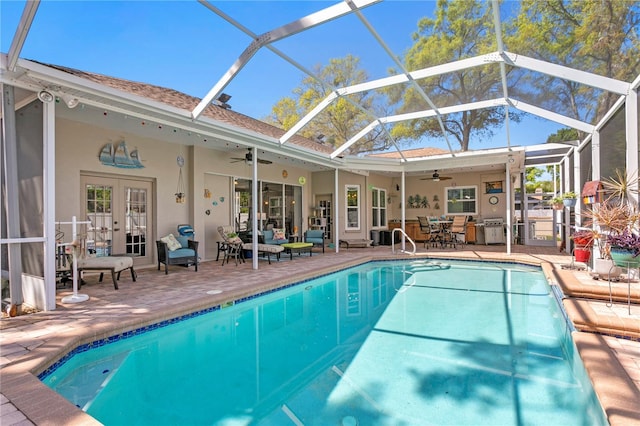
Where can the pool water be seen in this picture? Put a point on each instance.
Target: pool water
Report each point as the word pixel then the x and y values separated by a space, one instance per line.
pixel 385 343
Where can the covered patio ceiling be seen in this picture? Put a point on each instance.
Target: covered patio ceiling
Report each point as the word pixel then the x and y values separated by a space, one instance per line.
pixel 354 18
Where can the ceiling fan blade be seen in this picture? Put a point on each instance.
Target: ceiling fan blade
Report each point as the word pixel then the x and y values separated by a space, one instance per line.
pixel 439 178
pixel 261 161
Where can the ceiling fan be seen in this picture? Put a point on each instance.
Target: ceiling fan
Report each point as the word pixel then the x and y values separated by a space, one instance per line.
pixel 248 157
pixel 436 177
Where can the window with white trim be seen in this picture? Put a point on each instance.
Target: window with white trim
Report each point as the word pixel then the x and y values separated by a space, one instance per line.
pixel 352 203
pixel 378 207
pixel 461 200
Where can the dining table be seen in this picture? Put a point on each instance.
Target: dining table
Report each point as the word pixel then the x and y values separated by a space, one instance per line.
pixel 443 226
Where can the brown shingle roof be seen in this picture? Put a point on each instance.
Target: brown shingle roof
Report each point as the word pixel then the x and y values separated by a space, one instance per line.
pixel 183 101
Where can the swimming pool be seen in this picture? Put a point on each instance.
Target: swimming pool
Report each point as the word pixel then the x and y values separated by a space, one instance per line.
pixel 402 342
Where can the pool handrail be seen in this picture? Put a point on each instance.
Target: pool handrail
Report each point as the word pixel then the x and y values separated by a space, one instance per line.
pixel 393 244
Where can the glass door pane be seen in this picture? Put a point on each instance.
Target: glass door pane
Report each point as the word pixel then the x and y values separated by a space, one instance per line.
pixel 99 211
pixel 136 220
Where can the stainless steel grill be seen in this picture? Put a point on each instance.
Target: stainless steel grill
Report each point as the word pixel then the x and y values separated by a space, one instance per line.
pixel 494 231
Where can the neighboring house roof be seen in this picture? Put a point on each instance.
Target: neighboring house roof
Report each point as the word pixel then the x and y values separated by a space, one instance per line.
pixel 411 153
pixel 183 101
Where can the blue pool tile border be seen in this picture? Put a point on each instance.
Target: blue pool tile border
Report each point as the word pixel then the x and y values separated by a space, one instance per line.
pixel 122 336
pixel 141 330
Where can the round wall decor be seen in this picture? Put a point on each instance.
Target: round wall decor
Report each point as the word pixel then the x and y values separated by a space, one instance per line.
pixel 302 180
pixel 493 200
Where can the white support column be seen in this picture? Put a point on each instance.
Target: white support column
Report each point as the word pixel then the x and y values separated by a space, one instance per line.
pixel 578 184
pixel 254 208
pixel 633 139
pixel 566 186
pixel 508 204
pixel 403 207
pixel 49 177
pixel 336 209
pixel 11 180
pixel 595 155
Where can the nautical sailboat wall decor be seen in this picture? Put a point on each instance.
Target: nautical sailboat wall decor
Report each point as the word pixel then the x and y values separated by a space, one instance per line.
pixel 119 156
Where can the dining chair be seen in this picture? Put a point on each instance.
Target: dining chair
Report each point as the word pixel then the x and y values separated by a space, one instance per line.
pixel 427 231
pixel 458 230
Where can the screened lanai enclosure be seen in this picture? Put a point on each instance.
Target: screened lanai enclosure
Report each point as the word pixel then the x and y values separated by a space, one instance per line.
pixel 331 100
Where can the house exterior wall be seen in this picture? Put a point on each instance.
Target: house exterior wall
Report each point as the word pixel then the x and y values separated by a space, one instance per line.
pixel 214 170
pixel 78 146
pixel 430 189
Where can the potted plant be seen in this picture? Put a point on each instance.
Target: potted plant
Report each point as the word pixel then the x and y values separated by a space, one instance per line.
pixel 625 248
pixel 557 203
pixel 583 242
pixel 569 198
pixel 616 218
pixel 584 238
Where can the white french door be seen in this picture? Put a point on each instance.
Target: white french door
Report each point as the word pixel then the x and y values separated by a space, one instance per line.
pixel 120 214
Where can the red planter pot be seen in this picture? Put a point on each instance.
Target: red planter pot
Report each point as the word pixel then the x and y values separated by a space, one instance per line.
pixel 582 254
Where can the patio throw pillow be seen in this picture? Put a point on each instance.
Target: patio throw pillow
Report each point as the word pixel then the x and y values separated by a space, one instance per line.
pixel 278 234
pixel 183 241
pixel 171 242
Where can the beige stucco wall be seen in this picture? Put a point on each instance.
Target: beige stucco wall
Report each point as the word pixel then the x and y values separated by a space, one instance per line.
pixel 78 147
pixel 416 186
pixel 323 183
pixel 214 170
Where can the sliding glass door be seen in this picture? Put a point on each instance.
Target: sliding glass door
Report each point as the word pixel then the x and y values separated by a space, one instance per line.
pixel 279 206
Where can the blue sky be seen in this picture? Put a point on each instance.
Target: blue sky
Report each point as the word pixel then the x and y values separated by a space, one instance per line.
pixel 184 46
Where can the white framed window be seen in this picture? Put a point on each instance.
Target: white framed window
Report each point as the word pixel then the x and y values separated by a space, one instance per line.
pixel 461 200
pixel 352 203
pixel 378 207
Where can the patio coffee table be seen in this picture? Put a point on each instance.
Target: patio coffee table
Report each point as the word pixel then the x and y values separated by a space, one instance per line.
pixel 297 248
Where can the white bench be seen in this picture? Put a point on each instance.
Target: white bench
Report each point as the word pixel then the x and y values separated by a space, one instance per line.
pixel 115 264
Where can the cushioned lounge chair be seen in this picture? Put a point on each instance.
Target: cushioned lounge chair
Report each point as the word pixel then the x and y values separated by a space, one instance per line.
pixel 232 246
pixel 362 243
pixel 186 254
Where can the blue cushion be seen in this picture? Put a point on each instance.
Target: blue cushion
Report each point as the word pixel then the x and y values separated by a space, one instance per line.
pixel 184 241
pixel 267 234
pixel 315 233
pixel 183 252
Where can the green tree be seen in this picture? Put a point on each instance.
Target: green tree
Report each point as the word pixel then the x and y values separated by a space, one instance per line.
pixel 342 119
pixel 598 36
pixel 460 30
pixel 563 135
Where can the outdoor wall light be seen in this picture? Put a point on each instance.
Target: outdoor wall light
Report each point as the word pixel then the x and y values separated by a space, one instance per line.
pixel 70 101
pixel 224 98
pixel 222 101
pixel 45 96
